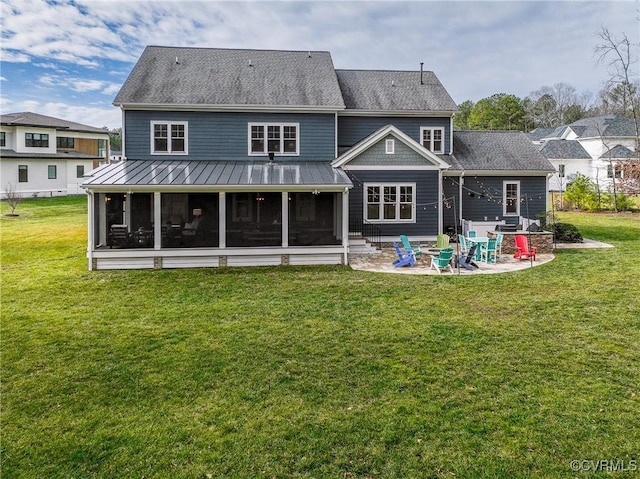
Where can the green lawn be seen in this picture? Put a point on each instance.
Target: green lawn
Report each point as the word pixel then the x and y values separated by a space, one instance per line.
pixel 318 372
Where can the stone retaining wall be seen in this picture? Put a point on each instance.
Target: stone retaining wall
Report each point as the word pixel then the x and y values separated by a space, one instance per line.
pixel 543 240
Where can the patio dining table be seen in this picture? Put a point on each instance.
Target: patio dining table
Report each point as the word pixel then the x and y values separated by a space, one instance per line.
pixel 478 240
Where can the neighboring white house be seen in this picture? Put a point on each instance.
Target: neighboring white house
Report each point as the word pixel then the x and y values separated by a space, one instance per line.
pixel 45 156
pixel 591 146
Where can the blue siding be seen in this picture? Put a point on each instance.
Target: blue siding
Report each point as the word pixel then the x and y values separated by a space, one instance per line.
pixel 426 199
pixel 352 129
pixel 482 196
pixel 224 135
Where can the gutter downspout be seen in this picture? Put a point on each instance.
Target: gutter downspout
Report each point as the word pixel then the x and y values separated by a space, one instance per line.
pixel 460 184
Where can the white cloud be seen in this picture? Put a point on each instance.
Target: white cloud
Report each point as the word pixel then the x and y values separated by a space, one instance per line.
pixel 87 115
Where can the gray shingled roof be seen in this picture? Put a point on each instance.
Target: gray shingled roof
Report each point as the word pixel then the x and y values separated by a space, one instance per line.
pixel 34 119
pixel 498 150
pixel 214 76
pixel 376 90
pixel 607 125
pixel 619 151
pixel 185 173
pixel 564 149
pixel 540 133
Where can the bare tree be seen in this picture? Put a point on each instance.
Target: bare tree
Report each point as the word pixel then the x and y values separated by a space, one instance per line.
pixel 13 198
pixel 620 56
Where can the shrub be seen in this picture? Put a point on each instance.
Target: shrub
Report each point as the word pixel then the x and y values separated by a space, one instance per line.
pixel 582 193
pixel 567 233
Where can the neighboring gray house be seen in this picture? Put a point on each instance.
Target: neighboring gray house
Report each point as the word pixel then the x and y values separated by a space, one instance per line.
pixel 255 157
pixel 590 146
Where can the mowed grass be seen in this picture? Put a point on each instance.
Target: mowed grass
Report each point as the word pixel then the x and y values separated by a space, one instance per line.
pixel 315 372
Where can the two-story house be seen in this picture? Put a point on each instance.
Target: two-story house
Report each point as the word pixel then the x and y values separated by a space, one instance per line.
pixel 45 156
pixel 253 157
pixel 593 147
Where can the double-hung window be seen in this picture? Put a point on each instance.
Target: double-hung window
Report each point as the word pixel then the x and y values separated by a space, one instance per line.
pixel 392 203
pixel 52 172
pixel 432 139
pixel 23 173
pixel 3 139
pixel 169 138
pixel 277 138
pixel 511 198
pixel 614 170
pixel 36 140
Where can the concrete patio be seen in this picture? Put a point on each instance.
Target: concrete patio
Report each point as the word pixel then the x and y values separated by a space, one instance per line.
pixel 382 262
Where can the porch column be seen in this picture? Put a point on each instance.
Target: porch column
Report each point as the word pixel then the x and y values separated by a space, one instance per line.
pixel 345 225
pixel 285 219
pixel 157 220
pixel 90 227
pixel 222 220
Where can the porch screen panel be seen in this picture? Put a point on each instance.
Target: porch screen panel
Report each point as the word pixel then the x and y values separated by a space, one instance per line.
pixel 311 219
pixel 254 219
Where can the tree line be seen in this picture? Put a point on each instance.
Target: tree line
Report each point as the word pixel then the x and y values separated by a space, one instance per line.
pixel 547 107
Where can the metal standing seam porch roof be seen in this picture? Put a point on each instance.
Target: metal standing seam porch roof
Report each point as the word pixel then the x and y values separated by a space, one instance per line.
pixel 199 175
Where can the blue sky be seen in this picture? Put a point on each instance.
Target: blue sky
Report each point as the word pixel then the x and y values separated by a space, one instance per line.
pixel 68 59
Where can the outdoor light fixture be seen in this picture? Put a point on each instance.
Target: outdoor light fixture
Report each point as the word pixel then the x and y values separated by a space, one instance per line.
pixel 197 212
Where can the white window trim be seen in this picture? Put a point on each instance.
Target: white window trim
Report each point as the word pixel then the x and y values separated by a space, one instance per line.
pixel 432 129
pixel 397 219
pixel 389 146
pixel 265 152
pixel 169 124
pixel 504 197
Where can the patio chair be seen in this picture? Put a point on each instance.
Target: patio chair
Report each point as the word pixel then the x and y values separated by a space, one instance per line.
pixel 488 251
pixel 471 234
pixel 523 249
pixel 403 259
pixel 442 241
pixel 463 244
pixel 442 260
pixel 119 236
pixel 499 238
pixel 409 248
pixel 467 261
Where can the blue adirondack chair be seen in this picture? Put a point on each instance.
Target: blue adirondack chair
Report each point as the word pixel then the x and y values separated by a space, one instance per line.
pixel 403 259
pixel 409 248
